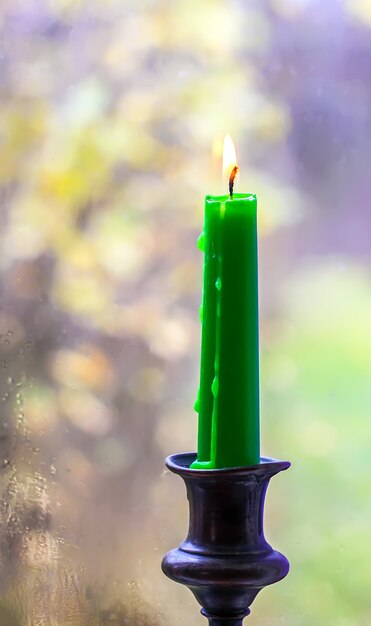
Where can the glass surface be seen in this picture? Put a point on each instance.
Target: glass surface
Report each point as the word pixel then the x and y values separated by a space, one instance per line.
pixel 112 116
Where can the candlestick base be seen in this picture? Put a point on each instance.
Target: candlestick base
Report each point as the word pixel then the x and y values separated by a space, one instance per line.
pixel 225 560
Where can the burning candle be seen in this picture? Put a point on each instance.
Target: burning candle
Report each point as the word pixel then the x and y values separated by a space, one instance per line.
pixel 228 399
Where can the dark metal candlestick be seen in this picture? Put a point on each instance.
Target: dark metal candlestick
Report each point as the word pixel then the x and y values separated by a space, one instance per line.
pixel 225 560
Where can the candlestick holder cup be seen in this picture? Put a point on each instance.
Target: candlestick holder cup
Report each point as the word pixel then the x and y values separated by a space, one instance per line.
pixel 225 559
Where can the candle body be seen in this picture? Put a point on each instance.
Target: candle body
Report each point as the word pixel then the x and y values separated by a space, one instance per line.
pixel 228 402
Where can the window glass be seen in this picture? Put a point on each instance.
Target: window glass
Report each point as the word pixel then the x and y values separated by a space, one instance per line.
pixel 112 114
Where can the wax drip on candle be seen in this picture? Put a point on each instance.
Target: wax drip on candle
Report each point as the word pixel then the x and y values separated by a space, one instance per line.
pixel 201 242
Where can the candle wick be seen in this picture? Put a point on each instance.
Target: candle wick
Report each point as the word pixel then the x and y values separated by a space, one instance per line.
pixel 231 180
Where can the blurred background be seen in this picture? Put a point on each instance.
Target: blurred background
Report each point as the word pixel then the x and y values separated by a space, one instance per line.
pixel 112 115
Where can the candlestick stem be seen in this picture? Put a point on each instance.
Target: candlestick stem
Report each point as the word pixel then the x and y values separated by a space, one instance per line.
pixel 224 621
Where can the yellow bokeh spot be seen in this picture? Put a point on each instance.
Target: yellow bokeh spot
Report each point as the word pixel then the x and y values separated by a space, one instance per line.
pixel 361 9
pixel 86 367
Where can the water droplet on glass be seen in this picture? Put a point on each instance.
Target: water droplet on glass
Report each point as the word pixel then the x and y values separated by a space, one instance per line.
pixel 53 469
pixel 19 399
pixel 10 380
pixel 218 283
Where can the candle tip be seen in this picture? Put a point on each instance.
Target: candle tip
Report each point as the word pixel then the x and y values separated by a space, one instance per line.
pixel 230 167
pixel 232 177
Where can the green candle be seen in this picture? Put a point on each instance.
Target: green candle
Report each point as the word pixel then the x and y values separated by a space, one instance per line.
pixel 228 401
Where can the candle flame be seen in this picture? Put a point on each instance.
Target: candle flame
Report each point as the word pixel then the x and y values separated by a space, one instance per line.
pixel 229 156
pixel 230 166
